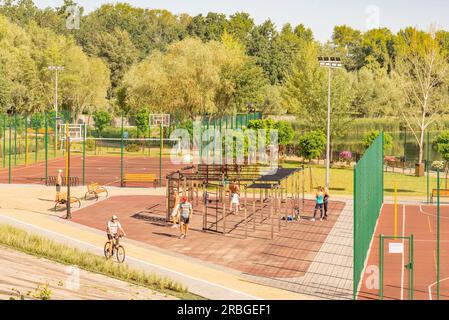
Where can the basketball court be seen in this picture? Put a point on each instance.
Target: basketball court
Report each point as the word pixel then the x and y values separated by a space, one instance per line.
pixel 421 222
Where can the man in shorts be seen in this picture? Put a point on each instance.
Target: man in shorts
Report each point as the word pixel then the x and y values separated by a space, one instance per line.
pixel 58 184
pixel 175 211
pixel 186 212
pixel 112 229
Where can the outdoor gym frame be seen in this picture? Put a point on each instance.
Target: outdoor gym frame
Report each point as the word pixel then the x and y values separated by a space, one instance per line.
pixel 267 198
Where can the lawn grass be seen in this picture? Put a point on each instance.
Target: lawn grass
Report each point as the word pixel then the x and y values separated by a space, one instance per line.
pixel 342 181
pixel 35 245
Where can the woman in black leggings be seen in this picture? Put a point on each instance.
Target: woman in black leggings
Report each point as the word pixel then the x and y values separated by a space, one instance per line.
pixel 326 202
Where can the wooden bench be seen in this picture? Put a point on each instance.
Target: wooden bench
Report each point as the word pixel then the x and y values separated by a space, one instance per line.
pixel 140 177
pixel 95 189
pixel 444 193
pixel 62 200
pixel 395 164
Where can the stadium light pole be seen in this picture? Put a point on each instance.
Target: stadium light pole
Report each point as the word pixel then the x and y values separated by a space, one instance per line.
pixel 329 63
pixel 56 69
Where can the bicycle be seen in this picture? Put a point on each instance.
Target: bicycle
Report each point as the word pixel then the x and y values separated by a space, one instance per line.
pixel 117 249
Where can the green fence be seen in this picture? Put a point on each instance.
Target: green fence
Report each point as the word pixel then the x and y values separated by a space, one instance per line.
pixel 368 200
pixel 237 121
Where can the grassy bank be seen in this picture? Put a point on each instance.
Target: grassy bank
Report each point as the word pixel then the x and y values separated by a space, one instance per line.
pixel 21 240
pixel 342 181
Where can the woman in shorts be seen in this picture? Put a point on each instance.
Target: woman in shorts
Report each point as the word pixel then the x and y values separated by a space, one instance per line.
pixel 175 211
pixel 319 203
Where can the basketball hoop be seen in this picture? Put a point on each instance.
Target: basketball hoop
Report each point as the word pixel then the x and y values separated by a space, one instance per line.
pixel 157 120
pixel 76 132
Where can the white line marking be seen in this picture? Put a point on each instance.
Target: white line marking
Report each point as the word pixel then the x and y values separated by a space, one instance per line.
pixel 430 214
pixel 433 284
pixel 403 256
pixel 135 259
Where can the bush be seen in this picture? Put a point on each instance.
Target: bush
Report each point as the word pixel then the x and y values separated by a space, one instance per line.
pixel 90 145
pixel 311 144
pixel 371 136
pixel 438 165
pixel 345 156
pixel 442 145
pixel 102 119
pixel 132 147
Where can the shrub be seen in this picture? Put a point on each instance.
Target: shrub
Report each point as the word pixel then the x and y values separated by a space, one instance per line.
pixel 90 145
pixel 132 147
pixel 345 156
pixel 371 136
pixel 438 165
pixel 311 144
pixel 442 145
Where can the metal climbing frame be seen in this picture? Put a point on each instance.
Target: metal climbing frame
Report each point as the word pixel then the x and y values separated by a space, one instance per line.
pixel 279 195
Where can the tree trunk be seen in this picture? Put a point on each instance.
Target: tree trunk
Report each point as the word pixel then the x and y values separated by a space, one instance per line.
pixel 421 146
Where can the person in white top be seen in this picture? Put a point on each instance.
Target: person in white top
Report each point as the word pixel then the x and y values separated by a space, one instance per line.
pixel 112 230
pixel 175 211
pixel 186 213
pixel 235 203
pixel 58 184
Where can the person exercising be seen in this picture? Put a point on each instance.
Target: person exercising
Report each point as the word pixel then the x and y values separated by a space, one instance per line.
pixel 112 229
pixel 58 184
pixel 186 212
pixel 235 198
pixel 175 211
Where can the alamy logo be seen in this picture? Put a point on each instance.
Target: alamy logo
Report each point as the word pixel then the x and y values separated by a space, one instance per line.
pixel 230 146
pixel 73 280
pixel 373 17
pixel 73 17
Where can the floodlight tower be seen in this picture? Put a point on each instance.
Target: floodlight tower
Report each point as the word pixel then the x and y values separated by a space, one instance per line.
pixel 56 69
pixel 329 63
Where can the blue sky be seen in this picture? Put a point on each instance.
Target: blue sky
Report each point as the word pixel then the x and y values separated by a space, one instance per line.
pixel 320 15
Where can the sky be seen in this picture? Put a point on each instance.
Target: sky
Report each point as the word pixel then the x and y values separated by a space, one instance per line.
pixel 319 15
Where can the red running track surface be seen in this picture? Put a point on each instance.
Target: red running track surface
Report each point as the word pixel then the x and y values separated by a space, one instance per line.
pixel 421 221
pixel 102 169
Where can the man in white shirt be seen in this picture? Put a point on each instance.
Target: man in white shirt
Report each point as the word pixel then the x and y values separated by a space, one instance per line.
pixel 186 212
pixel 112 229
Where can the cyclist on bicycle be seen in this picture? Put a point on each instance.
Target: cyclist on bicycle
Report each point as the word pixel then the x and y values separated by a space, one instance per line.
pixel 112 229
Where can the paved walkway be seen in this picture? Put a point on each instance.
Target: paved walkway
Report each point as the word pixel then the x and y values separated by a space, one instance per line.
pixel 22 273
pixel 204 280
pixel 330 274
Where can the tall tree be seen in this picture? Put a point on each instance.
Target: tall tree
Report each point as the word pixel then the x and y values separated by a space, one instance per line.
pixel 306 91
pixel 422 73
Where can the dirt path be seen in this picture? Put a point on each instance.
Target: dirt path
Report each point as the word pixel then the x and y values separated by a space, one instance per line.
pixel 26 273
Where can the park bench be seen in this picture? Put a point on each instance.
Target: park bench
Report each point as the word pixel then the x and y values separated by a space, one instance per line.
pixel 74 181
pixel 444 193
pixel 140 177
pixel 395 164
pixel 62 200
pixel 95 189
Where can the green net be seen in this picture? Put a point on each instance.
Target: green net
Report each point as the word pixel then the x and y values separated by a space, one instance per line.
pixel 368 200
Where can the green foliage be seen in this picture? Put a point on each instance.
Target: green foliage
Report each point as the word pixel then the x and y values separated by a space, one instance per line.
pixel 285 132
pixel 311 144
pixel 142 121
pixel 132 147
pixel 305 93
pixel 371 136
pixel 265 124
pixel 192 78
pixel 18 239
pixel 442 145
pixel 128 58
pixel 102 118
pixel 90 145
